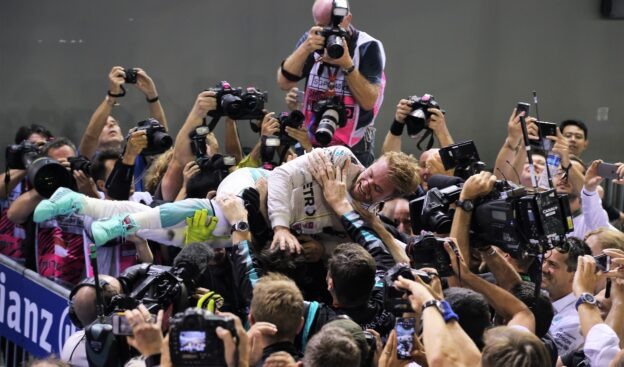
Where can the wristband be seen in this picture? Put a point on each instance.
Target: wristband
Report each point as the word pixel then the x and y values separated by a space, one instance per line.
pixel 349 70
pixel 153 360
pixel 396 128
pixel 288 75
pixel 151 100
pixel 120 94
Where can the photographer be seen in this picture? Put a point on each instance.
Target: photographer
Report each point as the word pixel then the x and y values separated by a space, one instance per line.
pixel 356 76
pixel 436 123
pixel 103 130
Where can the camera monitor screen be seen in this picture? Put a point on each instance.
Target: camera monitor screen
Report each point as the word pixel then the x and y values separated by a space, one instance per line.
pixel 192 341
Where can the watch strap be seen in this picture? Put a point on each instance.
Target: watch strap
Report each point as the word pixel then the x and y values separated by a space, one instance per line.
pixel 348 70
pixel 444 308
pixel 587 298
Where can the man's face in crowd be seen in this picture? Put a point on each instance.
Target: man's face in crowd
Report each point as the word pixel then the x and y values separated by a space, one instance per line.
pixel 62 153
pixel 402 216
pixel 373 185
pixel 563 185
pixel 556 278
pixel 576 139
pixel 111 134
pixel 539 162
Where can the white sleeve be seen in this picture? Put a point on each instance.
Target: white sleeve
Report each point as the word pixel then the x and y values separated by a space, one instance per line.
pixel 593 213
pixel 292 175
pixel 601 345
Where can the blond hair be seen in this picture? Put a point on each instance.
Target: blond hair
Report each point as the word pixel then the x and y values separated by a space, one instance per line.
pixel 506 346
pixel 276 299
pixel 403 172
pixel 156 171
pixel 608 238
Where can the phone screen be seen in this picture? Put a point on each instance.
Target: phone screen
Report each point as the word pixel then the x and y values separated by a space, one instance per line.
pixel 405 329
pixel 546 129
pixel 523 107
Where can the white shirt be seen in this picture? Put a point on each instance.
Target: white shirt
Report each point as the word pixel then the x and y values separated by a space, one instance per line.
pixel 74 351
pixel 565 328
pixel 592 216
pixel 601 345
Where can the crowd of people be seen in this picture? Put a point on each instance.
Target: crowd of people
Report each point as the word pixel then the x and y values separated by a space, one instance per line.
pixel 307 250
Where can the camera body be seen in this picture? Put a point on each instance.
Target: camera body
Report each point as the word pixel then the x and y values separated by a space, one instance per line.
pixel 427 251
pixel 158 141
pixel 216 162
pixel 80 163
pixel 193 340
pixel 239 104
pixel 131 76
pixel 333 33
pixel 330 114
pixel 294 119
pixel 431 211
pixel 418 119
pixel 20 156
pixel 464 157
pixel 393 297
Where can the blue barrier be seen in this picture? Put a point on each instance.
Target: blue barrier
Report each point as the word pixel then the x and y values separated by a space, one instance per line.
pixel 33 310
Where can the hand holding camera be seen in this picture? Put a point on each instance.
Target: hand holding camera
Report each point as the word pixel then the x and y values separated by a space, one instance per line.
pixel 116 79
pixel 293 98
pixel 270 125
pixel 315 40
pixel 206 101
pixel 146 336
pixel 478 185
pixel 403 109
pixel 419 291
pixel 190 170
pixel 585 277
pixel 137 141
pixel 145 84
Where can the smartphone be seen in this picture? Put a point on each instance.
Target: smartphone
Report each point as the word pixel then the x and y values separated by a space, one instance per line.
pixel 523 107
pixel 608 170
pixel 405 329
pixel 300 95
pixel 120 324
pixel 546 129
pixel 603 262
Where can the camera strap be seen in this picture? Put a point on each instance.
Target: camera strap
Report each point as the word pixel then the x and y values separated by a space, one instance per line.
pixel 428 133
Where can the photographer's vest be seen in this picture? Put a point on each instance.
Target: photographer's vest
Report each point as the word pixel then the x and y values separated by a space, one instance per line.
pixel 59 248
pixel 318 82
pixel 11 235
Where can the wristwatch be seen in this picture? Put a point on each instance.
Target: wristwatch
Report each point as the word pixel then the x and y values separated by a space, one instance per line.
pixel 585 298
pixel 467 205
pixel 444 307
pixel 348 70
pixel 240 226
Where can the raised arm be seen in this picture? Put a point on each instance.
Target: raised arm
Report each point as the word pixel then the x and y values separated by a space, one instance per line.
pixel 232 141
pixel 292 69
pixel 146 85
pixel 89 142
pixel 16 176
pixel 392 141
pixel 182 154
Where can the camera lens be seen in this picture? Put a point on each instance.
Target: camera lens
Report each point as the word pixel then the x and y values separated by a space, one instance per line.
pixel 46 175
pixel 232 105
pixel 415 122
pixel 439 222
pixel 326 127
pixel 334 46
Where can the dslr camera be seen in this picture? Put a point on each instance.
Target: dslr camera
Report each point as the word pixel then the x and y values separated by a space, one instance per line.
pixel 432 212
pixel 418 119
pixel 238 104
pixel 80 163
pixel 427 251
pixel 330 114
pixel 131 75
pixel 393 297
pixel 193 340
pixel 294 119
pixel 44 174
pixel 333 33
pixel 158 141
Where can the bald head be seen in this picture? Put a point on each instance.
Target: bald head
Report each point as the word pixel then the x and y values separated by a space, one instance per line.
pixel 84 299
pixel 322 13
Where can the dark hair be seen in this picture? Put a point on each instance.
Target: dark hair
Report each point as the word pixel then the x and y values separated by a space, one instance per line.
pixel 578 123
pixel 332 346
pixel 98 166
pixel 58 143
pixel 208 178
pixel 352 270
pixel 24 132
pixel 473 311
pixel 541 306
pixel 574 247
pixel 538 151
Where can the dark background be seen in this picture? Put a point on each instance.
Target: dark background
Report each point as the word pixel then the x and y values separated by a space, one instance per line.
pixel 478 58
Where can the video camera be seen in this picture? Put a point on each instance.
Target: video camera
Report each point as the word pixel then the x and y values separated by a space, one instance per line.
pixel 427 251
pixel 330 114
pixel 463 157
pixel 238 104
pixel 193 340
pixel 158 141
pixel 393 297
pixel 334 33
pixel 44 173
